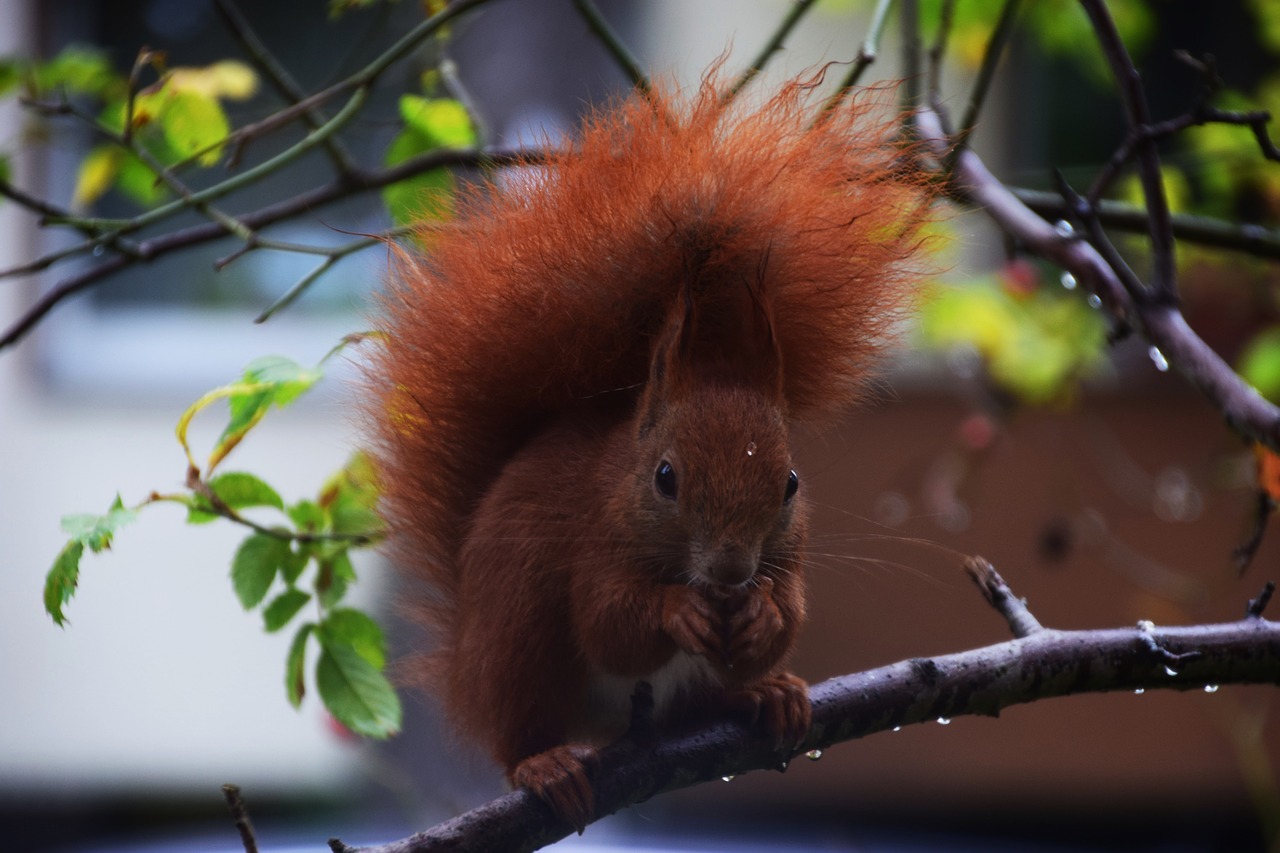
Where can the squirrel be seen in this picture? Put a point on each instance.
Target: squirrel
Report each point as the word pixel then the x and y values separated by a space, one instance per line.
pixel 585 406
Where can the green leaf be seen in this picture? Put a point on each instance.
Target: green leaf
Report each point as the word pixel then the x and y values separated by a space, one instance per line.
pixel 1259 364
pixel 80 70
pixel 283 608
pixel 350 496
pixel 354 628
pixel 425 196
pixel 60 583
pixel 12 70
pixel 355 692
pixel 307 515
pixel 441 122
pixel 295 665
pixel 254 567
pixel 268 380
pixel 96 531
pixel 335 575
pixel 240 490
pixel 194 122
pixel 294 562
pixel 137 181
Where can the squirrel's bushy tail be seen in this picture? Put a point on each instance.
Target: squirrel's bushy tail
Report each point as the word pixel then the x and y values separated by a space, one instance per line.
pixel 550 285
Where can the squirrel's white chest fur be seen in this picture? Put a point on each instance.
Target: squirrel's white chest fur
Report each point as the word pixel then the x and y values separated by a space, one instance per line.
pixel 608 697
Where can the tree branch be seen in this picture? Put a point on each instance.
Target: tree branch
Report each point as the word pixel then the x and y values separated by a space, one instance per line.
pixel 1161 323
pixel 1044 664
pixel 351 184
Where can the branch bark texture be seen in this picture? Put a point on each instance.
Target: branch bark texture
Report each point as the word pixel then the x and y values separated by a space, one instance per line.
pixel 1042 665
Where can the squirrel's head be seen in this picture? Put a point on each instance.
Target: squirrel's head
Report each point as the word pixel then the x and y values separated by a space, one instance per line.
pixel 713 473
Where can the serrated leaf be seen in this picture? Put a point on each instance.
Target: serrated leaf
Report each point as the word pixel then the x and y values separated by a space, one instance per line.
pixel 96 531
pixel 288 379
pixel 236 489
pixel 60 583
pixel 351 627
pixel 254 567
pixel 295 665
pixel 97 172
pixel 194 123
pixel 283 608
pixel 355 692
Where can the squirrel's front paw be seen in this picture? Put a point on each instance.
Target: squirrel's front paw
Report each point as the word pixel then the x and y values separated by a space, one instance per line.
pixel 691 621
pixel 561 778
pixel 753 625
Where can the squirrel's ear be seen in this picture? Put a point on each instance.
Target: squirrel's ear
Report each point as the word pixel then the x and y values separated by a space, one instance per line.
pixel 672 354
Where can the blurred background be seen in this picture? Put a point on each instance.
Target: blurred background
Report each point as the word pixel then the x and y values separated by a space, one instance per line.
pixel 1097 482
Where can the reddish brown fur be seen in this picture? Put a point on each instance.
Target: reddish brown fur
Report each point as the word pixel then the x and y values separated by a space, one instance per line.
pixel 682 284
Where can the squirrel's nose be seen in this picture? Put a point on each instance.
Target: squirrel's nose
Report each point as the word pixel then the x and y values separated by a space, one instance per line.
pixel 732 565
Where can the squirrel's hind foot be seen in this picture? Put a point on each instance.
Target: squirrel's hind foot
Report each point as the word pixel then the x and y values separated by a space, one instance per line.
pixel 778 704
pixel 561 778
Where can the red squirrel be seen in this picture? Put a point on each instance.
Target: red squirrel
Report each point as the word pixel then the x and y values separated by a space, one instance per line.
pixel 585 406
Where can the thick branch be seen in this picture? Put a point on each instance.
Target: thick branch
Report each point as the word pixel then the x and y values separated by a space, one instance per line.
pixel 1045 664
pixel 1162 324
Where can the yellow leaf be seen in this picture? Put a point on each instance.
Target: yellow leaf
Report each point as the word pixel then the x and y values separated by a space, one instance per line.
pixel 96 175
pixel 226 79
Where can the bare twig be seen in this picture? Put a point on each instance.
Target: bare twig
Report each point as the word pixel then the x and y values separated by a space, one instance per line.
pixel 939 49
pixel 1163 286
pixel 986 72
pixel 998 595
pixel 163 244
pixel 868 52
pixel 1259 604
pixel 1244 553
pixel 983 681
pixel 910 23
pixel 238 811
pixel 1253 240
pixel 280 78
pixel 613 43
pixel 1162 324
pixel 772 46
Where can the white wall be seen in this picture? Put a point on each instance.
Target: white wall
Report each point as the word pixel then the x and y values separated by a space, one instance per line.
pixel 161 681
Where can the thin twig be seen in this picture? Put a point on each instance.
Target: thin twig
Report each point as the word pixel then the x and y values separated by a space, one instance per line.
pixel 868 52
pixel 279 77
pixel 986 73
pixel 1163 325
pixel 238 811
pixel 772 46
pixel 163 244
pixel 1253 240
pixel 939 49
pixel 1259 604
pixel 910 24
pixel 997 593
pixel 1242 555
pixel 1164 275
pixel 621 54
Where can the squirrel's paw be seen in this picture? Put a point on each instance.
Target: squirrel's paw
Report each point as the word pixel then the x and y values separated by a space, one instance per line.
pixel 561 777
pixel 752 627
pixel 691 621
pixel 780 705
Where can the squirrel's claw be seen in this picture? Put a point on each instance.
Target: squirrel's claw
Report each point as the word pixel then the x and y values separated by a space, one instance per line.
pixel 780 705
pixel 560 777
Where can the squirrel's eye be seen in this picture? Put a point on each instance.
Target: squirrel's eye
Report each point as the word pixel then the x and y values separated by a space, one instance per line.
pixel 664 480
pixel 793 483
